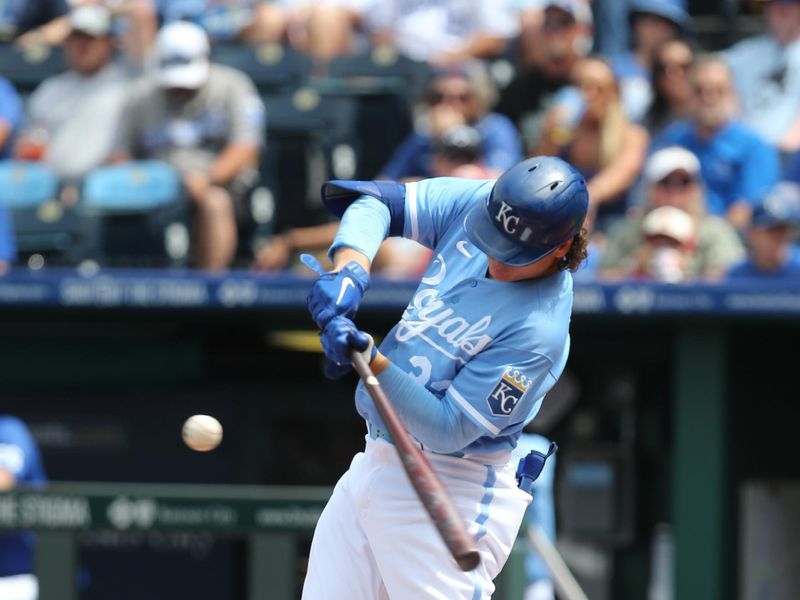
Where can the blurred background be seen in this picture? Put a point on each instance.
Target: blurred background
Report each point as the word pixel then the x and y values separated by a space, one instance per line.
pixel 160 167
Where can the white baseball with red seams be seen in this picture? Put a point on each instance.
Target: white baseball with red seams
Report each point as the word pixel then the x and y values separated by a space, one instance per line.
pixel 202 433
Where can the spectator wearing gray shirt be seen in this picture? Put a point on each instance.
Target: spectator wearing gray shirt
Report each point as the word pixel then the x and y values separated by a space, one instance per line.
pixel 72 116
pixel 208 122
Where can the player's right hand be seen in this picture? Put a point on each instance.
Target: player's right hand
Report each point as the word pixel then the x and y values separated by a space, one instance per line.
pixel 335 293
pixel 341 337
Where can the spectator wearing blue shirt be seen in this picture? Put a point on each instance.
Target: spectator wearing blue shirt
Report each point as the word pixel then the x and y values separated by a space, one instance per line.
pixel 772 235
pixel 20 464
pixel 737 165
pixel 11 112
pixel 458 95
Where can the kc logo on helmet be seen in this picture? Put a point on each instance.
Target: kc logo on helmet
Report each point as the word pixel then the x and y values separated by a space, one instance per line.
pixel 505 217
pixel 508 392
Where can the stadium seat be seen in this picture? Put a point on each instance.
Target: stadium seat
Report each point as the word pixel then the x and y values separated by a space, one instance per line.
pixel 138 214
pixel 43 226
pixel 272 67
pixel 310 138
pixel 27 68
pixel 382 70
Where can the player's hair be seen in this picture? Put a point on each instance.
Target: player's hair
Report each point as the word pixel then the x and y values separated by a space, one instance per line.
pixel 577 252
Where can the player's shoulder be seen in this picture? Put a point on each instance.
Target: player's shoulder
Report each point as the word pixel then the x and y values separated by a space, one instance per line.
pixel 443 188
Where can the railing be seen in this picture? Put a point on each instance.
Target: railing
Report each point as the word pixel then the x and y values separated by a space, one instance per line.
pixel 270 518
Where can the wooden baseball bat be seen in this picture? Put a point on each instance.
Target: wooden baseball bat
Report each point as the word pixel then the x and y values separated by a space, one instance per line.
pixel 429 488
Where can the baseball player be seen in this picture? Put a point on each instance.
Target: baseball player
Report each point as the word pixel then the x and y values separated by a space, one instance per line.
pixel 20 463
pixel 477 348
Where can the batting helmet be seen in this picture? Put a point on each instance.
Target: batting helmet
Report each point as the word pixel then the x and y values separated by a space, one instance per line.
pixel 533 208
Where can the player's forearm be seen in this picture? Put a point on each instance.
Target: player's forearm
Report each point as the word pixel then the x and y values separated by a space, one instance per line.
pixel 435 422
pixel 364 226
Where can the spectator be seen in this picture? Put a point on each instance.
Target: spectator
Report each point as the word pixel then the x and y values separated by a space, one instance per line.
pixel 18 17
pixel 136 20
pixel 604 144
pixel 8 241
pixel 458 152
pixel 20 464
pixel 207 121
pixel 564 37
pixel 222 21
pixel 672 92
pixel 772 236
pixel 11 112
pixel 445 32
pixel 457 95
pixel 737 165
pixel 653 22
pixel 672 179
pixel 766 69
pixel 72 117
pixel 322 29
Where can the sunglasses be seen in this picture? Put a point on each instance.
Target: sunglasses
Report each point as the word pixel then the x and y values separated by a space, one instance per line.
pixel 438 97
pixel 676 181
pixel 673 66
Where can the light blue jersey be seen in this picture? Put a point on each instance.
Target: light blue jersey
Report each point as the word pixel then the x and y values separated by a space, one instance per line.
pixel 491 348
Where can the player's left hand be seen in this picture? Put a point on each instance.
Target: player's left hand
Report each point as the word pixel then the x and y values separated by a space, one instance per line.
pixel 335 292
pixel 339 338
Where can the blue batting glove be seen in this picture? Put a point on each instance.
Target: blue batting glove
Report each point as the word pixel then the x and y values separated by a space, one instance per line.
pixel 339 338
pixel 335 292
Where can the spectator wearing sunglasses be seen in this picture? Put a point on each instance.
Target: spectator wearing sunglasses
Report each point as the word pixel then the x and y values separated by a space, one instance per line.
pixel 672 91
pixel 457 95
pixel 738 166
pixel 548 54
pixel 672 178
pixel 766 69
pixel 772 237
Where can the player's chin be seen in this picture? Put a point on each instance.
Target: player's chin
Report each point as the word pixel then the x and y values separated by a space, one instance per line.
pixel 503 272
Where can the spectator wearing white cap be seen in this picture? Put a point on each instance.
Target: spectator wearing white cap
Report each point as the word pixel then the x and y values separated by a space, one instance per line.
pixel 208 122
pixel 72 117
pixel 772 236
pixel 672 179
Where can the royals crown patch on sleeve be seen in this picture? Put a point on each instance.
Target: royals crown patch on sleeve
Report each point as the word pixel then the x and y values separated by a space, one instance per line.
pixel 508 392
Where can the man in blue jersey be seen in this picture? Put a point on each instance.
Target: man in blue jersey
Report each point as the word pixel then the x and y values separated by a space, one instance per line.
pixel 771 239
pixel 20 463
pixel 484 338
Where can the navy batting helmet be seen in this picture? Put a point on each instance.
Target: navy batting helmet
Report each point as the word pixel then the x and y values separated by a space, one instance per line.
pixel 533 208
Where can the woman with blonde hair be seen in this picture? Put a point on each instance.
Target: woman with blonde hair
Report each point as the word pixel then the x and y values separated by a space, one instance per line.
pixel 592 132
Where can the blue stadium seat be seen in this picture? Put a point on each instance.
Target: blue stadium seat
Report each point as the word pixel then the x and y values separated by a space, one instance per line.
pixel 27 68
pixel 25 184
pixel 43 226
pixel 138 214
pixel 271 66
pixel 136 186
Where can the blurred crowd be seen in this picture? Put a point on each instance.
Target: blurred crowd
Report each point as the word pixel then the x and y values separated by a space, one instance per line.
pixel 691 153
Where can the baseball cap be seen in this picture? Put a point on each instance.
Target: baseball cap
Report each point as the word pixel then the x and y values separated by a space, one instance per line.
pixel 578 9
pixel 460 141
pixel 183 55
pixel 92 19
pixel 670 222
pixel 780 206
pixel 671 10
pixel 668 160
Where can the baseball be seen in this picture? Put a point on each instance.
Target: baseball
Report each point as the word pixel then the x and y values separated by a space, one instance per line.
pixel 202 433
